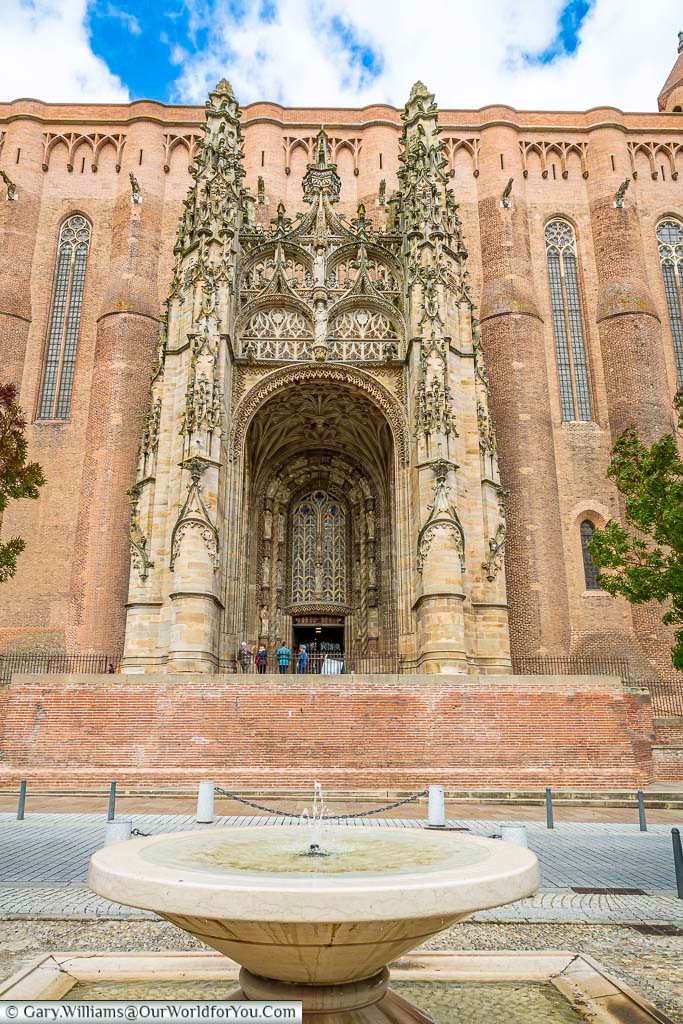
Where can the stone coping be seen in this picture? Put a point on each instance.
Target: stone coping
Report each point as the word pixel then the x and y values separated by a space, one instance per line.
pixel 560 683
pixel 586 985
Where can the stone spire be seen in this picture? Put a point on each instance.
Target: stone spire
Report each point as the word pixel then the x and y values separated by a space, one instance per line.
pixel 671 96
pixel 216 199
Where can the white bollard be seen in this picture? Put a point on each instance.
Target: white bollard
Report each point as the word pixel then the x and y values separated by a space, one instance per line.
pixel 436 814
pixel 514 833
pixel 117 831
pixel 205 814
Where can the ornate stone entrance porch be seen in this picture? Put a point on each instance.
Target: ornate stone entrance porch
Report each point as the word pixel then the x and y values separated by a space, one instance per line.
pixel 319 522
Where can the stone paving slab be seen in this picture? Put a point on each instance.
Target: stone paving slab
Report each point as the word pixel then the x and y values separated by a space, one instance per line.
pixel 45 858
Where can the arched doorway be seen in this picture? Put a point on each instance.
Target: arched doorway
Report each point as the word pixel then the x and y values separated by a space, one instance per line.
pixel 318 530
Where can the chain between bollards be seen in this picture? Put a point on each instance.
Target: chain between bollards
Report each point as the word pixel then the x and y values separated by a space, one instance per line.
pixel 21 806
pixel 111 813
pixel 549 819
pixel 678 861
pixel 641 811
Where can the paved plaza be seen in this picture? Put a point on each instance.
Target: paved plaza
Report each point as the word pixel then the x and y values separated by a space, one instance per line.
pixel 45 860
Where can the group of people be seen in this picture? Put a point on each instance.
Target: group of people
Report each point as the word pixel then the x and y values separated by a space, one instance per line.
pixel 283 656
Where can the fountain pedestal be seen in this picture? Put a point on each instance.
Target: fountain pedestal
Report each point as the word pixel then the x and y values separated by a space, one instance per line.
pixel 370 1001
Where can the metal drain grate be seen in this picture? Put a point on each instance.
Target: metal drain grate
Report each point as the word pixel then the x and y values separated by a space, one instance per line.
pixel 657 929
pixel 612 891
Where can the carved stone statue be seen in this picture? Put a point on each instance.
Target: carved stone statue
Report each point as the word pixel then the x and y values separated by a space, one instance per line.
pixel 263 616
pixel 135 193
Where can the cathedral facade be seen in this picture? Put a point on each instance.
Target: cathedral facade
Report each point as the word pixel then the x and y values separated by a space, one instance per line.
pixel 353 385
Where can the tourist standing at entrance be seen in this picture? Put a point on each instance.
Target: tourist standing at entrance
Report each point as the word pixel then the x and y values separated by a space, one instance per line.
pixel 284 656
pixel 302 663
pixel 244 656
pixel 261 659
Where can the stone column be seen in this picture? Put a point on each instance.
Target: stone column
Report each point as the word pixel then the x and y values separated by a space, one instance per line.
pixel 127 335
pixel 629 326
pixel 513 340
pixel 18 228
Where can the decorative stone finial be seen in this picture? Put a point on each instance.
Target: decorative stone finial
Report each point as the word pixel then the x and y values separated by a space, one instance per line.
pixel 419 89
pixel 224 88
pixel 680 42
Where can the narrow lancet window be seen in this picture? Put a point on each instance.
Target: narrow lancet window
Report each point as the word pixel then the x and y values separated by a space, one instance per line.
pixel 670 238
pixel 65 318
pixel 565 298
pixel 590 569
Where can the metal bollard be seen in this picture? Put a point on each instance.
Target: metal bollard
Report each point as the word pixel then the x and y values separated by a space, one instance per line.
pixel 111 813
pixel 514 833
pixel 641 811
pixel 678 861
pixel 21 806
pixel 436 812
pixel 549 819
pixel 118 831
pixel 205 815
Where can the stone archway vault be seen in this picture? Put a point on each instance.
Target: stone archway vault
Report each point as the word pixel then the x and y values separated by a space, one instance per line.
pixel 306 432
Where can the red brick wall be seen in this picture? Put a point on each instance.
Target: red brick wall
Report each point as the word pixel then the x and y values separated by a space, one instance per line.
pixel 400 732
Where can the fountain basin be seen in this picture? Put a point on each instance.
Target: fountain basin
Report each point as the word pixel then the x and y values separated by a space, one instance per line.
pixel 333 920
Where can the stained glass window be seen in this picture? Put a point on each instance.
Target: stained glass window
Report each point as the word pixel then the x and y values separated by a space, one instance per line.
pixel 670 238
pixel 590 570
pixel 319 550
pixel 65 318
pixel 568 327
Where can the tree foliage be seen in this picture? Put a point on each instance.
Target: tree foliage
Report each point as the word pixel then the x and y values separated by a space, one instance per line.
pixel 18 478
pixel 644 560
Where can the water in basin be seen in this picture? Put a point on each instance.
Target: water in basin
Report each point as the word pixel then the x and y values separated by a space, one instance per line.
pixel 333 851
pixel 466 1002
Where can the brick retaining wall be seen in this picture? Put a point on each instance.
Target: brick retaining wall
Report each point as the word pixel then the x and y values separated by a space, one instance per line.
pixel 356 732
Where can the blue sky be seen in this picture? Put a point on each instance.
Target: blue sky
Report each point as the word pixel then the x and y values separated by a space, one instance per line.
pixel 558 54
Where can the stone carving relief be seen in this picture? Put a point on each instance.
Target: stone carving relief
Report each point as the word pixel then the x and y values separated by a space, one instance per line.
pixel 443 518
pixel 496 544
pixel 139 554
pixel 194 515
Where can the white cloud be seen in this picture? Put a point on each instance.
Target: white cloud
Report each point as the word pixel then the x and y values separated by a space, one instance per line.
pixel 470 54
pixel 45 53
pixel 129 21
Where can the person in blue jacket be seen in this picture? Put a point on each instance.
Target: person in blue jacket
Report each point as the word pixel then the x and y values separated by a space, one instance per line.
pixel 284 656
pixel 302 661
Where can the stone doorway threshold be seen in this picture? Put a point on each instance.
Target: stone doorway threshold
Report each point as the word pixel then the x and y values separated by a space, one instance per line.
pixel 580 979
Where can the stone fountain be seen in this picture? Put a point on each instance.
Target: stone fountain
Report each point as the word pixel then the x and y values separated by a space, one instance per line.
pixel 316 920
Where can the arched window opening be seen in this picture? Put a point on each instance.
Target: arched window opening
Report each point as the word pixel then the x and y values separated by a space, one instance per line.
pixel 590 569
pixel 565 298
pixel 670 238
pixel 65 318
pixel 319 550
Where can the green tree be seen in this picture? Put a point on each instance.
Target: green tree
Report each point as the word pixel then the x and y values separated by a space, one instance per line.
pixel 644 560
pixel 18 478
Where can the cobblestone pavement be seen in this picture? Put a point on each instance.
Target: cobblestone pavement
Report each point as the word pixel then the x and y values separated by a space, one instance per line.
pixel 45 858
